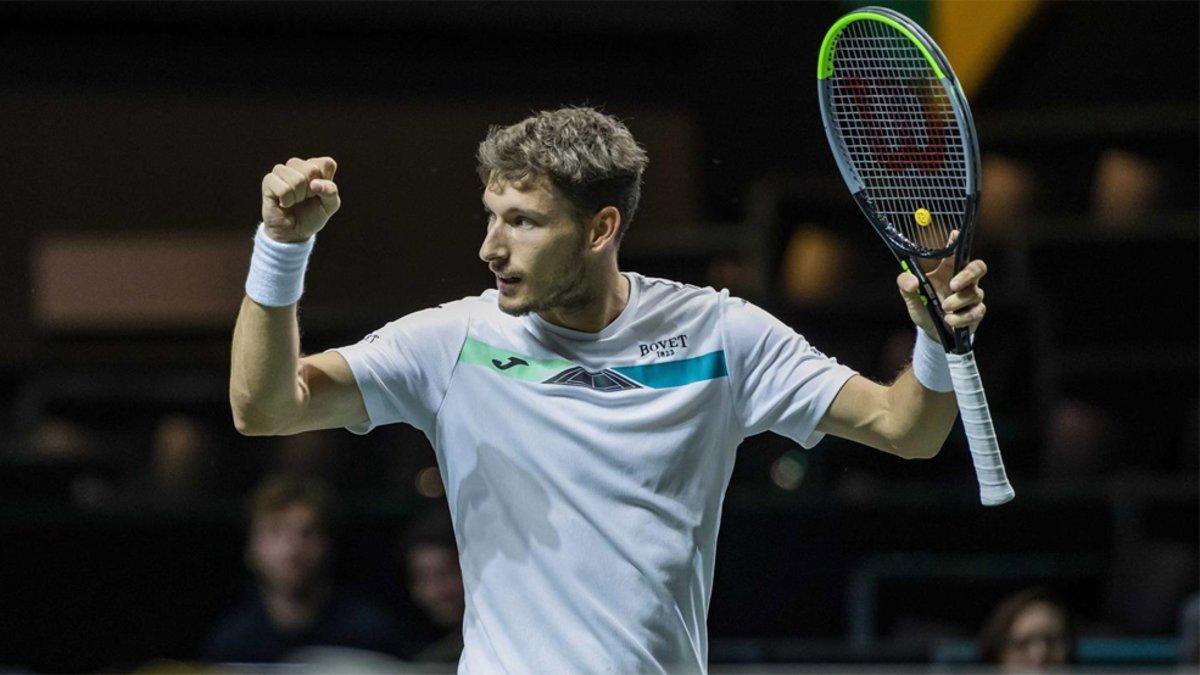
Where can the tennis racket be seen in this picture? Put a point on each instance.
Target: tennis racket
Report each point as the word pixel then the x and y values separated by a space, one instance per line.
pixel 901 132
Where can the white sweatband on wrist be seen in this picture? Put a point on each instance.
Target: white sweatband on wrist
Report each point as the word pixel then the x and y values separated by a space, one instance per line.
pixel 929 364
pixel 276 276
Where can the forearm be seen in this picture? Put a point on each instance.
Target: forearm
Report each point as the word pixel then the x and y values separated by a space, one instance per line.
pixel 919 419
pixel 264 386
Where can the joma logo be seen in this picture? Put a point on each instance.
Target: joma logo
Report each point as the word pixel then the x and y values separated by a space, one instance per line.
pixel 512 361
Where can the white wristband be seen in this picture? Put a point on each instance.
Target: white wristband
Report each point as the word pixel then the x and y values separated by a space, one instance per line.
pixel 929 364
pixel 276 276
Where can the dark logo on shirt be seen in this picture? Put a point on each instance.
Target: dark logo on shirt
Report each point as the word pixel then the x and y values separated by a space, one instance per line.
pixel 604 380
pixel 665 347
pixel 512 361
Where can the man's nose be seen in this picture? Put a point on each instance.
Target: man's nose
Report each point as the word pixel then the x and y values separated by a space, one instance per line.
pixel 494 246
pixel 1039 653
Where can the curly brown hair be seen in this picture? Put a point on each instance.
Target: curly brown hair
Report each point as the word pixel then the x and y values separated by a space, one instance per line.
pixel 588 156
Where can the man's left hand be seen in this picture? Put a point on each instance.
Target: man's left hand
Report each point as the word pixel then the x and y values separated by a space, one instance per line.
pixel 960 294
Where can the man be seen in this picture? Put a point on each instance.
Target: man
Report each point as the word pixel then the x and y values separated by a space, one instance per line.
pixel 430 557
pixel 585 419
pixel 295 604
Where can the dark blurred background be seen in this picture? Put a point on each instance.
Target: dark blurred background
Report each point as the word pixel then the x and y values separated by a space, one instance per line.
pixel 136 135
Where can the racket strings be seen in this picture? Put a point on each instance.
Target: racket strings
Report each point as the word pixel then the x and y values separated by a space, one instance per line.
pixel 900 132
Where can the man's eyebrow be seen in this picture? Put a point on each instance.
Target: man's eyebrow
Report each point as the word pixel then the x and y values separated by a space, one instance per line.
pixel 536 215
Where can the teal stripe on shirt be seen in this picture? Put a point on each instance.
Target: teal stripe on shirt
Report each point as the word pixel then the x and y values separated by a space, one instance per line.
pixel 677 373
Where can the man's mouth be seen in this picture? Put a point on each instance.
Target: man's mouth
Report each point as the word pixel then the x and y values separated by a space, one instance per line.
pixel 507 282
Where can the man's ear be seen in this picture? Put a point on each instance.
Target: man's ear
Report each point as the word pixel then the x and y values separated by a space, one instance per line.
pixel 603 228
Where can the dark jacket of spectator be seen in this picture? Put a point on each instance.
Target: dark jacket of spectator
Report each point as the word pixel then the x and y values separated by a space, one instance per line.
pixel 247 634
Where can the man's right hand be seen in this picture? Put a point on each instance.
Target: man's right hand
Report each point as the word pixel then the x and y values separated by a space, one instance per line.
pixel 299 197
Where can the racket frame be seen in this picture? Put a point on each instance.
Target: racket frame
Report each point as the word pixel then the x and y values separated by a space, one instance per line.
pixel 908 253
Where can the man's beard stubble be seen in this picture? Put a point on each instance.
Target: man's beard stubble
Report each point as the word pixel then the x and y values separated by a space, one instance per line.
pixel 570 290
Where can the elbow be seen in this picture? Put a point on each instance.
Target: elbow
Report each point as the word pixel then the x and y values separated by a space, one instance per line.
pixel 918 449
pixel 909 443
pixel 246 427
pixel 249 422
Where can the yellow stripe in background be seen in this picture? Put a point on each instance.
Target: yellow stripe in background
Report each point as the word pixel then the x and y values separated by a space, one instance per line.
pixel 974 34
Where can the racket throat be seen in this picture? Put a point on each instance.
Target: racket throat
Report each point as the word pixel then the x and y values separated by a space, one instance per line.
pixel 958 341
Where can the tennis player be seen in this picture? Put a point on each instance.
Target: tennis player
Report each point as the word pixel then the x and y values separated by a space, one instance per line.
pixel 585 419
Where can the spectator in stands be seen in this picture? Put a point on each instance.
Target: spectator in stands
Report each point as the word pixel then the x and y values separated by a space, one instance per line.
pixel 295 604
pixel 814 267
pixel 435 583
pixel 181 462
pixel 309 454
pixel 56 439
pixel 75 450
pixel 1078 441
pixel 1028 631
pixel 1189 630
pixel 1008 193
pixel 1127 190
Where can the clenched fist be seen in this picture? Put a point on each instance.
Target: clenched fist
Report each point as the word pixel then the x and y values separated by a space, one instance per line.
pixel 299 197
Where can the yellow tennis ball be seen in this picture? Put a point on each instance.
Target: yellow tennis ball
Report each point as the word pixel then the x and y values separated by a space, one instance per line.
pixel 922 217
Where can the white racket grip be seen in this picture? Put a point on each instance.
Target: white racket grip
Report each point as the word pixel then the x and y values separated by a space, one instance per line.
pixel 994 488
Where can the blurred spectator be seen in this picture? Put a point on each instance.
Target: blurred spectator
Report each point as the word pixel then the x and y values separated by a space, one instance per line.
pixel 728 271
pixel 1077 441
pixel 1028 631
pixel 1126 190
pixel 182 453
pixel 58 439
pixel 1190 449
pixel 1189 630
pixel 303 455
pixel 1007 192
pixel 294 603
pixel 1148 578
pixel 430 556
pixel 61 442
pixel 813 266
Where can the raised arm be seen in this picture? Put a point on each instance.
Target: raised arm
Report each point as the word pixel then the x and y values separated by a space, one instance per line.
pixel 908 418
pixel 272 390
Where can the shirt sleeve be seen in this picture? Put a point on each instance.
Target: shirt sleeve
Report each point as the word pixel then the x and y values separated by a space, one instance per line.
pixel 780 382
pixel 403 369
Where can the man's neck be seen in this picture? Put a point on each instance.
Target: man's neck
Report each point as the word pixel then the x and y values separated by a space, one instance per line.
pixel 596 315
pixel 291 612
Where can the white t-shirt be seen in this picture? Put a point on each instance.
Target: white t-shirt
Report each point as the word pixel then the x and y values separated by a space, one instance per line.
pixel 585 472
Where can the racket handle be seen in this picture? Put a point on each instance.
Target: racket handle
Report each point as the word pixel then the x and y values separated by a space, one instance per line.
pixel 994 488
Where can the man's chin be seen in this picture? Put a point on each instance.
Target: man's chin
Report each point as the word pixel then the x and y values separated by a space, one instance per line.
pixel 514 307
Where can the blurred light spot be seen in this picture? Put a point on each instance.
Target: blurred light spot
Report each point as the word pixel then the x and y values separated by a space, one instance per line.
pixel 429 482
pixel 788 471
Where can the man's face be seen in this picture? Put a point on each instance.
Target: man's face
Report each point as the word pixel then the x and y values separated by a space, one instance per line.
pixel 287 548
pixel 435 582
pixel 534 247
